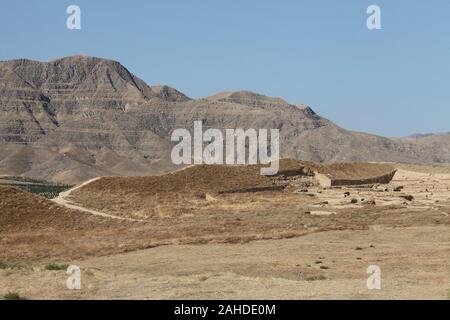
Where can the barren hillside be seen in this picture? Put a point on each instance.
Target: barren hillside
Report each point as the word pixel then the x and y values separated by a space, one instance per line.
pixel 79 117
pixel 237 206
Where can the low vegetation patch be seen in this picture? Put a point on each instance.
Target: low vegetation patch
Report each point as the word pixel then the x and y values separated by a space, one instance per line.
pixel 316 278
pixel 5 266
pixel 54 266
pixel 13 296
pixel 40 187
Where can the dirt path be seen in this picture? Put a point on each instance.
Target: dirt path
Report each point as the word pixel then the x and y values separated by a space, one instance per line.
pixel 62 200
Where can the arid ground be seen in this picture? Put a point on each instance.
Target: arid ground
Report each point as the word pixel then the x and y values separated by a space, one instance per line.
pixel 230 233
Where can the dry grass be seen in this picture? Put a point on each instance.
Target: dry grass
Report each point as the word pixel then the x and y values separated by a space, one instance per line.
pixel 35 229
pixel 201 219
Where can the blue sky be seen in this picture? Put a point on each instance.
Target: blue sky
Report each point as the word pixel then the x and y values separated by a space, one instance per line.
pixel 391 82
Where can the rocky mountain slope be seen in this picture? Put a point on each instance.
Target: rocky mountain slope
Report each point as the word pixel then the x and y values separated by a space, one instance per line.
pixel 79 117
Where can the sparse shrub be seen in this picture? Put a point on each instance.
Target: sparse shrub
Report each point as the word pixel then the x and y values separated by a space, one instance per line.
pixel 316 278
pixel 4 266
pixel 54 266
pixel 13 296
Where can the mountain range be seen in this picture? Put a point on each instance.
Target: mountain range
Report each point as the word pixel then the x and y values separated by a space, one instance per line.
pixel 79 117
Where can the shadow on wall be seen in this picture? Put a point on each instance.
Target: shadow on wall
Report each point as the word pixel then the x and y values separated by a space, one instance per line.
pixel 327 181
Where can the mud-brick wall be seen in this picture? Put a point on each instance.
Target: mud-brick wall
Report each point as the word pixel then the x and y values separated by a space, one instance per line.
pixel 384 179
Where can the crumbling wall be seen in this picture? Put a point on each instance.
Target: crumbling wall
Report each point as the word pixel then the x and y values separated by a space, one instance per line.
pixel 326 181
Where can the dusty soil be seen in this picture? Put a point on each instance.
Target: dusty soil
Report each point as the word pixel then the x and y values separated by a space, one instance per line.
pixel 325 265
pixel 233 238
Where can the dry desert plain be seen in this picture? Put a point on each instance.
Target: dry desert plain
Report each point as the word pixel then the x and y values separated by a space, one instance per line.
pixel 226 232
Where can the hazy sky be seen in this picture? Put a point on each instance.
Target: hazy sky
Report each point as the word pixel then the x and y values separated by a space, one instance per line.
pixel 392 82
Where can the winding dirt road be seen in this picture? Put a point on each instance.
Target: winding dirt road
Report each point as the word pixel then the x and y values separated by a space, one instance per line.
pixel 62 200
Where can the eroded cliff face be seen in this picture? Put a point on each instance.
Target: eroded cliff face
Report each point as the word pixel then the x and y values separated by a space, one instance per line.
pixel 79 117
